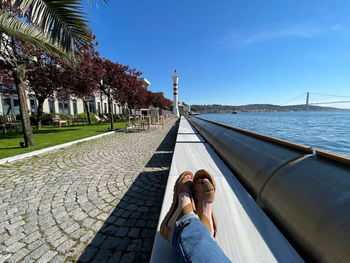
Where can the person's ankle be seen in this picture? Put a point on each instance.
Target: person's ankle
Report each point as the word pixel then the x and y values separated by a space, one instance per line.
pixel 184 199
pixel 207 212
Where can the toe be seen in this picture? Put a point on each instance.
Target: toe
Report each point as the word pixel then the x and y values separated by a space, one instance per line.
pixel 188 177
pixel 202 181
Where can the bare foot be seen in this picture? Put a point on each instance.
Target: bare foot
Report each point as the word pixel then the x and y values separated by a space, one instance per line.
pixel 183 200
pixel 205 208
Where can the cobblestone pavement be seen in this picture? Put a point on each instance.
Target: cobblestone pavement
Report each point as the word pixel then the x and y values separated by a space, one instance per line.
pixel 96 201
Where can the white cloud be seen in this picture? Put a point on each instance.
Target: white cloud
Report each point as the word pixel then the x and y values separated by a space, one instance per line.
pixel 291 31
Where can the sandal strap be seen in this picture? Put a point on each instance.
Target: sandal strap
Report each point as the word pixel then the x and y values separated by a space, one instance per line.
pixel 201 174
pixel 186 210
pixel 203 192
pixel 185 186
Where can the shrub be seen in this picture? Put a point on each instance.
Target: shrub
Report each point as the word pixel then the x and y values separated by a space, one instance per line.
pixel 64 116
pixel 33 118
pixel 83 116
pixel 47 118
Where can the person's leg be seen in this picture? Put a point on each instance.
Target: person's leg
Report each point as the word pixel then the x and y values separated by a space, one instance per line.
pixel 193 242
pixel 193 235
pixel 191 239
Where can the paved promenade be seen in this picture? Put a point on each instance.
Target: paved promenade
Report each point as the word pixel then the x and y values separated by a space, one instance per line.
pixel 96 201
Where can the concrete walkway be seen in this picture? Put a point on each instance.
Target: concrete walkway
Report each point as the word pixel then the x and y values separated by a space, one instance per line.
pixel 96 201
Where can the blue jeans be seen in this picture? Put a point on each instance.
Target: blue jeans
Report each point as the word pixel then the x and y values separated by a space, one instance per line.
pixel 193 242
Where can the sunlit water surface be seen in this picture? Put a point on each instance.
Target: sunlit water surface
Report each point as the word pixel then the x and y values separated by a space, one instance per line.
pixel 328 130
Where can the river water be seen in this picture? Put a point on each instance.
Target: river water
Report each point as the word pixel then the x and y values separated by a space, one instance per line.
pixel 328 130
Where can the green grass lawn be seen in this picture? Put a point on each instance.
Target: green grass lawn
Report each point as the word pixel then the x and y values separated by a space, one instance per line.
pixel 50 136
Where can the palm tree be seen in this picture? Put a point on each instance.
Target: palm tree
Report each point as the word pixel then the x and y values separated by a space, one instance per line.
pixel 53 26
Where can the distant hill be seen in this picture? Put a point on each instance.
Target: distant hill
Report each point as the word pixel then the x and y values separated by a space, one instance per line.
pixel 216 108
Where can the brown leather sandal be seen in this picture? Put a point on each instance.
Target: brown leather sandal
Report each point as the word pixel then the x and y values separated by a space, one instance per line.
pixel 182 185
pixel 204 192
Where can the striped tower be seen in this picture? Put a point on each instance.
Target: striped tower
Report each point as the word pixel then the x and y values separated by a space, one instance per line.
pixel 176 102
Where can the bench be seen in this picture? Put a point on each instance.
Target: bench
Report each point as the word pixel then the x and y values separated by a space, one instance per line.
pixel 3 123
pixel 57 120
pixel 245 233
pixel 9 121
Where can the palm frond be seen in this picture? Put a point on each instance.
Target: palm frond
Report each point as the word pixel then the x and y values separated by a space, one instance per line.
pixel 64 20
pixel 30 33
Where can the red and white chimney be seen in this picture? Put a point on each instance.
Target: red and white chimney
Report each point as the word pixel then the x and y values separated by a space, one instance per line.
pixel 176 101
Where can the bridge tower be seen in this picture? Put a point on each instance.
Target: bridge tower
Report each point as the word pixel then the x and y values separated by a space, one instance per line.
pixel 307 100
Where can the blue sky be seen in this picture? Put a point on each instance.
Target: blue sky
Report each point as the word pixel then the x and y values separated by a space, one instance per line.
pixel 231 52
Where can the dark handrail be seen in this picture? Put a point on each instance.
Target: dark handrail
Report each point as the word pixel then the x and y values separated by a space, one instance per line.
pixel 304 190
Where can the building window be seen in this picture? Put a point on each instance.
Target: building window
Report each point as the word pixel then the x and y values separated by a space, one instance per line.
pixel 32 104
pixel 115 108
pixel 105 108
pixel 10 105
pixel 91 103
pixel 75 107
pixel 6 105
pixel 92 107
pixel 66 107
pixel 60 107
pixel 63 107
pixel 52 106
pixel 99 108
pixel 15 106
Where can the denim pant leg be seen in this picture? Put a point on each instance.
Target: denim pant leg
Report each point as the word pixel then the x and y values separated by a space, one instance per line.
pixel 193 242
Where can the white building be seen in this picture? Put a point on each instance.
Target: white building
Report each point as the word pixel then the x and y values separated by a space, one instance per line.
pixel 145 82
pixel 97 104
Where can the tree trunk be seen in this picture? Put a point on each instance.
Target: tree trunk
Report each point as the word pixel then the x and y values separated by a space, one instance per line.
pixel 39 115
pixel 110 111
pixel 18 75
pixel 101 108
pixel 87 111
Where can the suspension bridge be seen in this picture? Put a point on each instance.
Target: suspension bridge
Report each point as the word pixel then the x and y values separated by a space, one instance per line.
pixel 331 99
